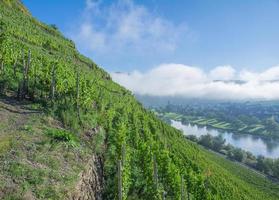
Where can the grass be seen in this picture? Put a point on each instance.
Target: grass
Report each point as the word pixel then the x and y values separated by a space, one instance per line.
pixel 221 125
pixel 256 128
pixel 211 121
pixel 60 135
pixel 5 144
pixel 242 128
pixel 173 116
pixel 41 157
pixel 208 122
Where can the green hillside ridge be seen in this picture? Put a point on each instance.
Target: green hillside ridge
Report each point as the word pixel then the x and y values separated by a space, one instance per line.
pixel 68 111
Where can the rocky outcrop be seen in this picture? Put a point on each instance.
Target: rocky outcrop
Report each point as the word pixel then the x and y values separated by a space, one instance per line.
pixel 90 185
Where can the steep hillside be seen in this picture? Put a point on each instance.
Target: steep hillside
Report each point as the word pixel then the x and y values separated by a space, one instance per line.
pixel 36 163
pixel 72 127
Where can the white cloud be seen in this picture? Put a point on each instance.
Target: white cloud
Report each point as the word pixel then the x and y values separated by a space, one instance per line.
pixel 91 4
pixel 192 82
pixel 222 73
pixel 123 26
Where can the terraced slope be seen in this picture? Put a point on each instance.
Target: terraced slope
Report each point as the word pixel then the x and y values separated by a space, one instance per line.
pixel 72 126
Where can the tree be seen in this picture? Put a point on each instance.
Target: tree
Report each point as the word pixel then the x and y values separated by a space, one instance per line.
pixel 239 155
pixel 192 138
pixel 206 140
pixel 271 125
pixel 54 26
pixel 218 143
pixel 276 168
pixel 261 165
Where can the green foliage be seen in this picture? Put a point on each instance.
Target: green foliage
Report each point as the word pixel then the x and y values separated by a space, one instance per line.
pixel 32 176
pixel 69 118
pixel 98 141
pixel 85 99
pixel 59 135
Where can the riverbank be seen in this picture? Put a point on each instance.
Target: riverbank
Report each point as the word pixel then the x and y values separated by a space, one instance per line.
pixel 252 151
pixel 225 127
pixel 256 129
pixel 214 141
pixel 254 144
pixel 273 179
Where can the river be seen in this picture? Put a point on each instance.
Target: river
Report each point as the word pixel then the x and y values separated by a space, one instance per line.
pixel 255 144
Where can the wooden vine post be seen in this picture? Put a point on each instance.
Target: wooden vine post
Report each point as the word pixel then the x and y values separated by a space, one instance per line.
pixel 120 165
pixel 123 154
pixel 78 95
pixel 23 85
pixel 2 73
pixel 27 72
pixel 155 172
pixel 164 195
pixel 20 82
pixel 188 185
pixel 182 188
pixel 34 90
pixel 2 70
pixel 14 67
pixel 119 180
pixel 53 83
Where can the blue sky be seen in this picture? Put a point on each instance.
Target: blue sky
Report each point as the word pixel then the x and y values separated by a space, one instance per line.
pixel 128 35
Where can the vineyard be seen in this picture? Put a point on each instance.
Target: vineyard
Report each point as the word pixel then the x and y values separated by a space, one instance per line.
pixel 143 157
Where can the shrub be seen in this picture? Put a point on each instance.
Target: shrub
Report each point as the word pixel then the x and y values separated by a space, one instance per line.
pixel 61 135
pixel 69 118
pixel 53 26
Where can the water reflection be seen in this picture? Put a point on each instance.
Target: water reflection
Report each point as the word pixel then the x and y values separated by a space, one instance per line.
pixel 255 144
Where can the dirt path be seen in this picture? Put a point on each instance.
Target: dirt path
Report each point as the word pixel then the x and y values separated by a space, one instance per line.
pixel 14 114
